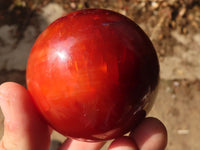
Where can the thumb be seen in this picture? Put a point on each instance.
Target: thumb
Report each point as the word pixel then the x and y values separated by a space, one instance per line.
pixel 24 129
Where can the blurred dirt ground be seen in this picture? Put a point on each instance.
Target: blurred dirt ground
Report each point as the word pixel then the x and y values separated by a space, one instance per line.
pixel 174 28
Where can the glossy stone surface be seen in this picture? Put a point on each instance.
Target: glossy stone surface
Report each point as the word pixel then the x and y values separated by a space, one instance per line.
pixel 93 74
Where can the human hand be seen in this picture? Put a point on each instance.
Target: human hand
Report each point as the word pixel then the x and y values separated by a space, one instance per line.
pixel 24 129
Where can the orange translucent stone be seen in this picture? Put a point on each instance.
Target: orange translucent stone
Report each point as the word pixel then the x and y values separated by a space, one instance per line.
pixel 93 74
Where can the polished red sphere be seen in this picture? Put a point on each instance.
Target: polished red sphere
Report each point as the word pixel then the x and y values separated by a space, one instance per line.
pixel 93 74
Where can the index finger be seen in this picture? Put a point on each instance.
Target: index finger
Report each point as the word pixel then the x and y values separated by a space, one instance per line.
pixel 151 134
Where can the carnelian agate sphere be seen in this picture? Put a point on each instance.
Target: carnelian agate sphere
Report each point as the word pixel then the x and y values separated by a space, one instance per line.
pixel 92 74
